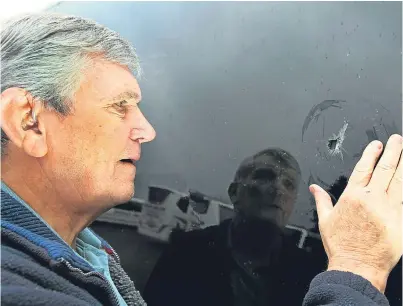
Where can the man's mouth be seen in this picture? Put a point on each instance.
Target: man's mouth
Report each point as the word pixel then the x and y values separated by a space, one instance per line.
pixel 270 203
pixel 128 161
pixel 271 207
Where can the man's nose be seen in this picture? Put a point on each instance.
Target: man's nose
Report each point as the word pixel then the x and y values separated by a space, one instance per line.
pixel 143 131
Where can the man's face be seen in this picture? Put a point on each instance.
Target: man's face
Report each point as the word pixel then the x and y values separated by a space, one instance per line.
pixel 269 191
pixel 92 152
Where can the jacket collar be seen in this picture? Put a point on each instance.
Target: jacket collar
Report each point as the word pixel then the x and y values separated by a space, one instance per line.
pixel 18 217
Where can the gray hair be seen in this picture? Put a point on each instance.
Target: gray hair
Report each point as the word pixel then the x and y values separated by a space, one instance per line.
pixel 46 53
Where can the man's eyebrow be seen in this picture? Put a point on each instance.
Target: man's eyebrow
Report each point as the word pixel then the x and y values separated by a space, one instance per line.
pixel 127 95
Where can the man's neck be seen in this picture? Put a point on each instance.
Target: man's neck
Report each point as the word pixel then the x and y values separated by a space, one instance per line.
pixel 40 194
pixel 256 239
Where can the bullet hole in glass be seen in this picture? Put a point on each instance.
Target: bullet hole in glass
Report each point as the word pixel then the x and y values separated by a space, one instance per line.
pixel 331 144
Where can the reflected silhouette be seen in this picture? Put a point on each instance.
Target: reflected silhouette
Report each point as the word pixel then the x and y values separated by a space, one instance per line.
pixel 263 193
pixel 247 260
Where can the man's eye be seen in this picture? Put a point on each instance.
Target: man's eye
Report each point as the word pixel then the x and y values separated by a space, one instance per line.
pixel 121 103
pixel 121 106
pixel 288 184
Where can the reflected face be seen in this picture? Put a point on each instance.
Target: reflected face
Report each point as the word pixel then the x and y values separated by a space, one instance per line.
pixel 93 151
pixel 269 189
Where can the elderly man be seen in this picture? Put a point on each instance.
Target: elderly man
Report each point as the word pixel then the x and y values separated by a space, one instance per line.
pixel 71 134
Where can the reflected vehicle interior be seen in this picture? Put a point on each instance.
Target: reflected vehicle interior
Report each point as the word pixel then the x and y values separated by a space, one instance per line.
pixel 252 103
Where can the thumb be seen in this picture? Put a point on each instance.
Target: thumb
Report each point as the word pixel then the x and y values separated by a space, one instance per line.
pixel 323 201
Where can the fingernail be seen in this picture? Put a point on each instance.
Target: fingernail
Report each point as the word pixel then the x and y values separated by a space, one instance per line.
pixel 378 144
pixel 312 189
pixel 397 138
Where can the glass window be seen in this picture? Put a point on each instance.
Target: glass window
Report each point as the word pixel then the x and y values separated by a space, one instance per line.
pixel 252 102
pixel 158 195
pixel 130 206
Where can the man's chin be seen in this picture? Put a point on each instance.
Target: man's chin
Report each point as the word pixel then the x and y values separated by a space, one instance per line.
pixel 123 194
pixel 274 216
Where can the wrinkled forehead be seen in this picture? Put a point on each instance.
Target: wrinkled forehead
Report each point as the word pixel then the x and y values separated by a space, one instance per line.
pixel 284 164
pixel 106 82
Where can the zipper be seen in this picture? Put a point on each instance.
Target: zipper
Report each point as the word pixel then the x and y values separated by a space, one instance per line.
pixel 64 261
pixel 116 255
pixel 105 246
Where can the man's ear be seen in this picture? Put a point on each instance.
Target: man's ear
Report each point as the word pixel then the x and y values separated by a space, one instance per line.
pixel 233 192
pixel 20 121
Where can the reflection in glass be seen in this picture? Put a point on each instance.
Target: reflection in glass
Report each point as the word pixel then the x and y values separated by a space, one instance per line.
pixel 249 259
pixel 265 187
pixel 157 195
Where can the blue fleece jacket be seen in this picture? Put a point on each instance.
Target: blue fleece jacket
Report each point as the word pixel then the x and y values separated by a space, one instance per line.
pixel 38 268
